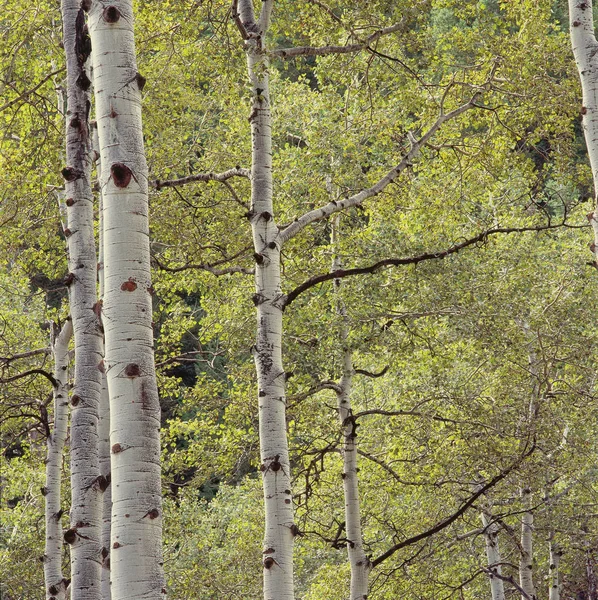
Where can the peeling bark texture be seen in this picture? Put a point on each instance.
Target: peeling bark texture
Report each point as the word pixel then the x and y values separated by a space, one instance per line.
pixel 359 562
pixel 54 580
pixel 279 523
pixel 85 495
pixel 585 51
pixel 104 427
pixel 526 565
pixel 136 540
pixel 491 530
pixel 554 591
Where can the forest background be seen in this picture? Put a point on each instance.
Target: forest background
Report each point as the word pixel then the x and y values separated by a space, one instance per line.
pixel 471 349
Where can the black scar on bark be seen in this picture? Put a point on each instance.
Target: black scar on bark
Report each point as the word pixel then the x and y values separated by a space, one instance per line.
pixel 71 173
pixel 83 82
pixel 132 370
pixel 121 175
pixel 111 14
pixel 70 536
pixel 141 81
pixel 269 562
pixel 82 41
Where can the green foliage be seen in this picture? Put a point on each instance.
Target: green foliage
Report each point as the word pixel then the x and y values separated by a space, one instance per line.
pixel 467 340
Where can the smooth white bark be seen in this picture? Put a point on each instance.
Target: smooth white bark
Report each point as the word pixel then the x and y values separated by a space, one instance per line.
pixel 585 51
pixel 55 582
pixel 554 591
pixel 86 490
pixel 280 529
pixel 493 556
pixel 136 526
pixel 104 427
pixel 526 563
pixel 359 562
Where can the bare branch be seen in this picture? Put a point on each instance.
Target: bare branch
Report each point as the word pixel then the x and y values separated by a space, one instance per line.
pixel 6 360
pixel 452 518
pixel 345 49
pixel 494 573
pixel 222 177
pixel 27 93
pixel 211 268
pixel 357 199
pixel 372 375
pixel 31 372
pixel 414 260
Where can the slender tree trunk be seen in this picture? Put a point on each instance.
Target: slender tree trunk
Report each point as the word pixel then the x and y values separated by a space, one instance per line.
pixel 136 527
pixel 280 529
pixel 526 566
pixel 493 556
pixel 585 50
pixel 56 584
pixel 86 487
pixel 554 591
pixel 104 429
pixel 359 562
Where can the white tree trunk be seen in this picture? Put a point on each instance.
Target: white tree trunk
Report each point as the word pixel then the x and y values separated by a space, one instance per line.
pixel 493 556
pixel 53 577
pixel 359 562
pixel 526 580
pixel 86 488
pixel 280 529
pixel 136 527
pixel 104 427
pixel 585 50
pixel 554 591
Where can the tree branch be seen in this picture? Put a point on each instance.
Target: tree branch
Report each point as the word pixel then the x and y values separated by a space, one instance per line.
pixel 30 91
pixel 31 372
pixel 357 199
pixel 413 260
pixel 222 177
pixel 345 49
pixel 494 573
pixel 6 360
pixel 446 522
pixel 372 375
pixel 211 268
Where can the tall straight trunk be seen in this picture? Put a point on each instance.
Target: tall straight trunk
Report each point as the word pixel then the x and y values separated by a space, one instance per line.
pixel 359 562
pixel 526 563
pixel 86 487
pixel 136 527
pixel 104 427
pixel 585 50
pixel 55 582
pixel 280 529
pixel 493 556
pixel 554 590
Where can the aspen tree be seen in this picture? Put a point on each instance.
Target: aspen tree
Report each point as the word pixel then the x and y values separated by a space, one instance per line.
pixel 526 564
pixel 136 524
pixel 269 300
pixel 86 484
pixel 585 50
pixel 491 529
pixel 104 424
pixel 359 562
pixel 56 583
